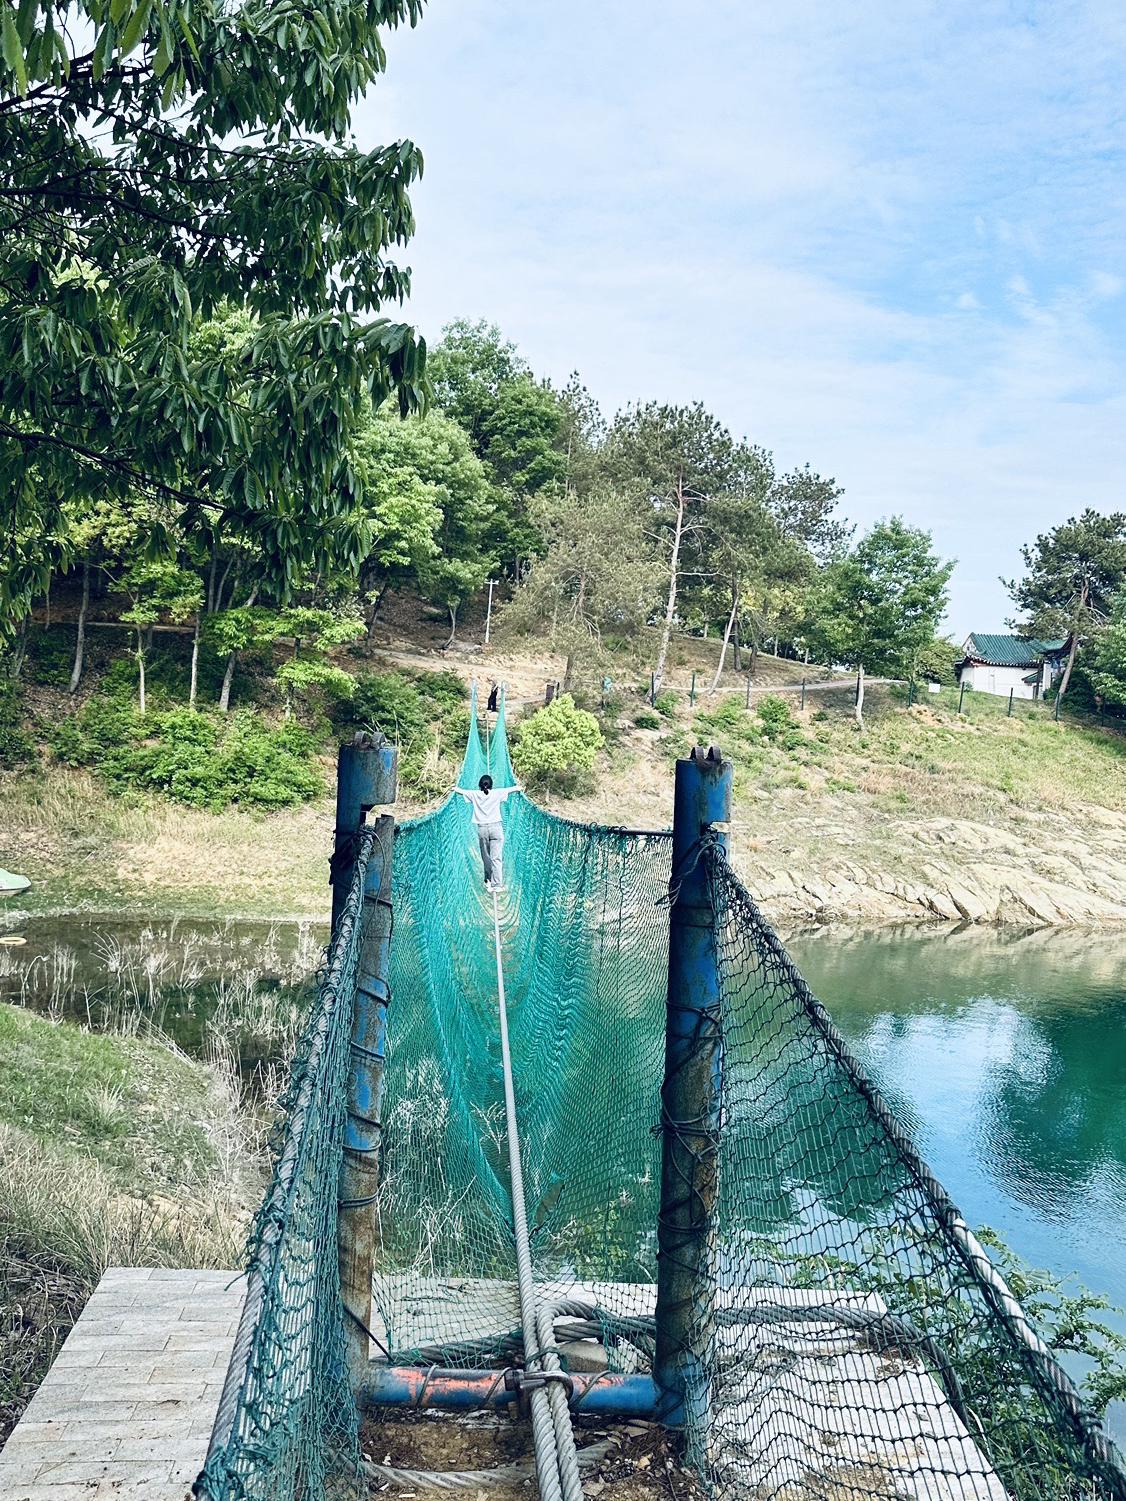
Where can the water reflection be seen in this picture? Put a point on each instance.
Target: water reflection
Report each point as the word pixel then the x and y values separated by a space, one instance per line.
pixel 1006 1054
pixel 212 986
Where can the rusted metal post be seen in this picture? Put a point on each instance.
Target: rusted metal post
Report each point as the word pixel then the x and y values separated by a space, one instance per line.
pixel 367 778
pixel 1009 715
pixel 690 1105
pixel 961 694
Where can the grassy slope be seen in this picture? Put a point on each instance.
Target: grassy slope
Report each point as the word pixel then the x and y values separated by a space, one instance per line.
pixel 835 796
pixel 113 1151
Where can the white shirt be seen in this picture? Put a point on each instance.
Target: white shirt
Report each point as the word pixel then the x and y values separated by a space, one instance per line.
pixel 486 805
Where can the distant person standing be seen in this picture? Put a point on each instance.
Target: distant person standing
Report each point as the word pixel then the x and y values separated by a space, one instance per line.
pixel 492 704
pixel 487 802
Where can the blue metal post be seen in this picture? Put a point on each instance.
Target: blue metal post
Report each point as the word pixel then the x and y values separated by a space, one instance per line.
pixel 367 777
pixel 690 1105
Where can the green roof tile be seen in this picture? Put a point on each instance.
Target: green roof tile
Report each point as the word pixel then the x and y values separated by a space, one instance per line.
pixel 1009 651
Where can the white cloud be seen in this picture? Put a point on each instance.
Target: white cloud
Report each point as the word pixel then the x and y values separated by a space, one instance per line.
pixel 781 213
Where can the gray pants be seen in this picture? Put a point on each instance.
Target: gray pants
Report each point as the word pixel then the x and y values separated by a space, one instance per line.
pixel 490 837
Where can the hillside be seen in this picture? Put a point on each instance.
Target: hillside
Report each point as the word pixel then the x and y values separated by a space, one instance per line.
pixel 928 815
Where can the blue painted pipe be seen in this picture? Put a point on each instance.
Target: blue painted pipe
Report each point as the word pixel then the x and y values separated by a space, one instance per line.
pixel 603 1394
pixel 690 1104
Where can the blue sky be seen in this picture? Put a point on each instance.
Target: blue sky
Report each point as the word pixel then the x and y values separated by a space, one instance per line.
pixel 884 238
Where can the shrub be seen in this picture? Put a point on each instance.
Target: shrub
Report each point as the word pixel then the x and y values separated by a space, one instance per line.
pixel 665 703
pixel 205 759
pixel 15 744
pixel 408 707
pixel 774 712
pixel 819 716
pixel 556 747
pixel 647 720
pixel 51 655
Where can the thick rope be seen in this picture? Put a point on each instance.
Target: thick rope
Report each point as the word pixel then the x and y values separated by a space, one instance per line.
pixel 557 1467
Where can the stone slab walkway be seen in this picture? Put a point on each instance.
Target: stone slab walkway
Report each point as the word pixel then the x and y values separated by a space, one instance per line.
pixel 126 1410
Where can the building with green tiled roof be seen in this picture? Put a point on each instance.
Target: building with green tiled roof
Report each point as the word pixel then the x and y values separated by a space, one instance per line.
pixel 1022 665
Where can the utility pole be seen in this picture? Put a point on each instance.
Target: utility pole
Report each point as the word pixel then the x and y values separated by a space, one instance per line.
pixel 489 612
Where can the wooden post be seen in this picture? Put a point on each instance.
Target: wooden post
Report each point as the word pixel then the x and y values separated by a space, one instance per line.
pixel 692 690
pixel 367 777
pixel 1009 715
pixel 803 693
pixel 961 694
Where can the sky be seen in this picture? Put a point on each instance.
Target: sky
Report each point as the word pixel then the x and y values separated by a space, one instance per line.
pixel 883 237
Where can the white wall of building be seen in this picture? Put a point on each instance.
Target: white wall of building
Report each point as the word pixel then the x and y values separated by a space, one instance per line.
pixel 985 679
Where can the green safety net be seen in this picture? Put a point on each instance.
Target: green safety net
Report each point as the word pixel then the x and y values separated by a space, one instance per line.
pixel 851 1339
pixel 287 1425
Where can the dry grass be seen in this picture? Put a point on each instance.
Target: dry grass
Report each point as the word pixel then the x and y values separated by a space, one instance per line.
pixel 113 1152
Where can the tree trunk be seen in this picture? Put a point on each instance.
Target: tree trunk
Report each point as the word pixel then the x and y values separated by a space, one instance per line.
pixel 80 642
pixel 374 608
pixel 860 695
pixel 141 668
pixel 726 638
pixel 211 583
pixel 21 650
pixel 670 608
pixel 225 690
pixel 194 682
pixel 453 625
pixel 1073 652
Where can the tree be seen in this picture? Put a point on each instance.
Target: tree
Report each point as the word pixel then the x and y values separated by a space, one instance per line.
pixel 1108 670
pixel 803 503
pixel 597 575
pixel 1073 572
pixel 189 156
pixel 156 588
pixel 746 550
pixel 673 459
pixel 879 605
pixel 516 424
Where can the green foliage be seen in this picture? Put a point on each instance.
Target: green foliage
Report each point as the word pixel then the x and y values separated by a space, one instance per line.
pixel 203 759
pixel 665 703
pixel 879 606
pixel 647 720
pixel 556 747
pixel 420 711
pixel 16 746
pixel 213 147
pixel 1107 671
pixel 935 661
pixel 51 656
pixel 774 714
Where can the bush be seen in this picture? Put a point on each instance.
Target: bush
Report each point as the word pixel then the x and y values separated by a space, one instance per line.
pixel 556 747
pixel 205 759
pixel 647 720
pixel 665 703
pixel 774 712
pixel 16 746
pixel 50 656
pixel 408 707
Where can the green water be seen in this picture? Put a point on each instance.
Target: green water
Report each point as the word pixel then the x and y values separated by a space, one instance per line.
pixel 1005 1057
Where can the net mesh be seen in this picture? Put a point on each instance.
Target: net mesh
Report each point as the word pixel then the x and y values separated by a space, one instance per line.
pixel 287 1422
pixel 857 1342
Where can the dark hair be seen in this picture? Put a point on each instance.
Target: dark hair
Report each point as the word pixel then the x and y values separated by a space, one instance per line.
pixel 486 783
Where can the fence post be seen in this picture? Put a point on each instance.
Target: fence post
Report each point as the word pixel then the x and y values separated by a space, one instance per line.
pixel 690 1106
pixel 367 776
pixel 652 687
pixel 910 692
pixel 692 690
pixel 803 693
pixel 961 694
pixel 1009 715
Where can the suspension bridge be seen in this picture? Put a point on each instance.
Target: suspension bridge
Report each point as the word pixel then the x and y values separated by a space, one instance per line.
pixel 602 1110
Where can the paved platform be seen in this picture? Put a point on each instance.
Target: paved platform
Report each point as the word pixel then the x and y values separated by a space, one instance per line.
pixel 808 1411
pixel 126 1410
